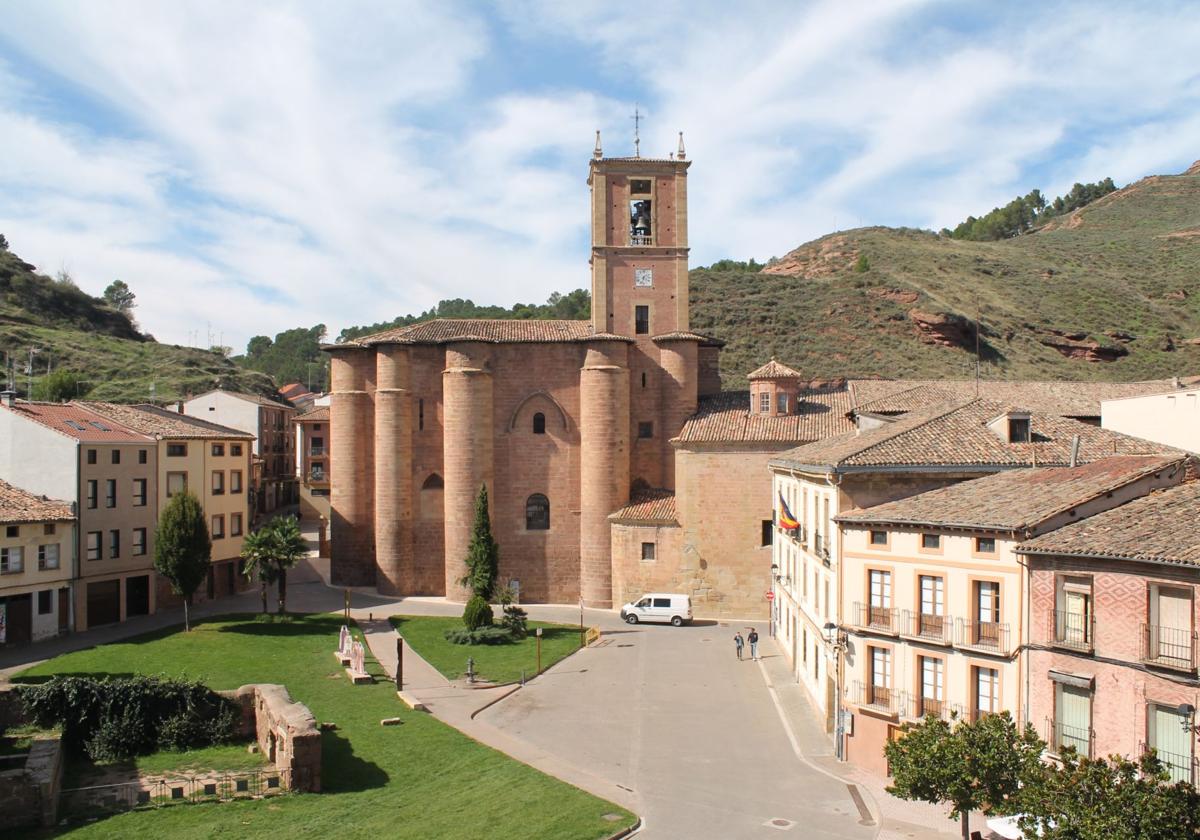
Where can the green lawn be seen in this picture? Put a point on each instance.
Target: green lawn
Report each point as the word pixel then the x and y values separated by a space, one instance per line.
pixel 231 758
pixel 421 779
pixel 498 663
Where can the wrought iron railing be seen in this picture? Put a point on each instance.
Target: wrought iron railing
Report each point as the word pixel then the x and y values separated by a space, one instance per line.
pixel 876 697
pixel 1072 630
pixel 917 707
pixel 1169 647
pixel 927 627
pixel 876 619
pixel 158 792
pixel 987 636
pixel 1060 736
pixel 1183 768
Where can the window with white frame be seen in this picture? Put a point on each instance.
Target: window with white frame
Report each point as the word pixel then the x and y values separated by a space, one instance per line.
pixel 879 611
pixel 11 561
pixel 48 556
pixel 1169 634
pixel 1169 733
pixel 932 685
pixel 986 689
pixel 1072 719
pixel 881 677
pixel 932 618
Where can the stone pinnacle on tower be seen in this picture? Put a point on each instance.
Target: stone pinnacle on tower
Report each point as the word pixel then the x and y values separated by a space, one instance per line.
pixel 681 154
pixel 597 153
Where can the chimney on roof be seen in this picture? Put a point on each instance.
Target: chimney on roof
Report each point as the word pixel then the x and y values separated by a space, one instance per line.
pixel 7 397
pixel 1075 451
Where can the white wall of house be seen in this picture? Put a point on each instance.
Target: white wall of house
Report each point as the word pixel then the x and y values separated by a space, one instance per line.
pixel 226 409
pixel 37 459
pixel 1172 418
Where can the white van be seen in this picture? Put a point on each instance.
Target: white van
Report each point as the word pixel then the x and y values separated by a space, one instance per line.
pixel 658 606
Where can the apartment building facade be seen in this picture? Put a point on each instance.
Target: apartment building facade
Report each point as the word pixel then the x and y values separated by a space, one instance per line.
pixel 37 561
pixel 934 595
pixel 1113 615
pixel 313 457
pixel 272 424
pixel 68 452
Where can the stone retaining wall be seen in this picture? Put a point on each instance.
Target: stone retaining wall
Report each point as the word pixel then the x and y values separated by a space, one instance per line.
pixel 29 793
pixel 286 732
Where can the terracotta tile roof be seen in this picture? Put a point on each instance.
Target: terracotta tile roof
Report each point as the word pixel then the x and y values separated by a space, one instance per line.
pixel 726 418
pixel 1013 500
pixel 1159 528
pixel 18 506
pixel 492 330
pixel 708 340
pixel 955 434
pixel 73 420
pixel 317 415
pixel 648 507
pixel 774 370
pixel 294 390
pixel 1067 399
pixel 163 423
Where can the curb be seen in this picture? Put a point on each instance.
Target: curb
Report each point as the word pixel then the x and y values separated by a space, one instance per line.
pixel 515 688
pixel 625 832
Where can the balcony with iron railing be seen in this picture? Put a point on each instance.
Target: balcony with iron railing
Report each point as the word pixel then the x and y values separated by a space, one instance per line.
pixel 1169 647
pixel 936 629
pixel 876 619
pixel 316 451
pixel 1072 630
pixel 1183 768
pixel 877 698
pixel 985 636
pixel 1060 736
pixel 916 707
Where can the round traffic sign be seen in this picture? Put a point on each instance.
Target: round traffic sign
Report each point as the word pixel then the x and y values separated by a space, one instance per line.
pixel 770 595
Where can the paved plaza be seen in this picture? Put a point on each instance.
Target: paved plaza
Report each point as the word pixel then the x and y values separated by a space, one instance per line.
pixel 662 720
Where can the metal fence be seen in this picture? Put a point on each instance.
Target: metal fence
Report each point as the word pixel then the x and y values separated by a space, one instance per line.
pixel 173 790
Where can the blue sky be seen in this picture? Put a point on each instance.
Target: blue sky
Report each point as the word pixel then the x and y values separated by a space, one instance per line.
pixel 248 168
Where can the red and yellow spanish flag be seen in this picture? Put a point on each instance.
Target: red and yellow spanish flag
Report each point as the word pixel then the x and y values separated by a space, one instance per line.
pixel 786 521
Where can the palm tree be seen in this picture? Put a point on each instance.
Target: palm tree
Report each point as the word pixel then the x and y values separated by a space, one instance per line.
pixel 270 552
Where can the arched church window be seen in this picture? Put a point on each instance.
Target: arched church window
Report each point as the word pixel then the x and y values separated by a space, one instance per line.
pixel 434 482
pixel 539 424
pixel 537 513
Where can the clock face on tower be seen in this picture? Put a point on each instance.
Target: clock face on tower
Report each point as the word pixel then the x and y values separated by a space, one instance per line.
pixel 643 277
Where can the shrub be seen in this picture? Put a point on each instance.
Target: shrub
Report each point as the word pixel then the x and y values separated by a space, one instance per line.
pixel 514 621
pixel 491 635
pixel 113 719
pixel 478 613
pixel 862 265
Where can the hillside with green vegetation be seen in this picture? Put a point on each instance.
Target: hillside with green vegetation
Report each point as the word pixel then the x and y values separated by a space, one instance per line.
pixel 93 347
pixel 1108 291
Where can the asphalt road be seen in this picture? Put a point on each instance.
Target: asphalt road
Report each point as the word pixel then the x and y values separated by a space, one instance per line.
pixel 671 715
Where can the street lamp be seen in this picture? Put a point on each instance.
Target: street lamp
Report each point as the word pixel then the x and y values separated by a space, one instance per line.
pixel 1188 711
pixel 836 639
pixel 771 603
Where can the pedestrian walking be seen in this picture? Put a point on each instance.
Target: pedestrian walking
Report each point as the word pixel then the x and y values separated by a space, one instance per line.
pixel 739 643
pixel 753 640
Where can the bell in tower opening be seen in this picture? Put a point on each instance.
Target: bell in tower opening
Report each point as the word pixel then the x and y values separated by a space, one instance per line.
pixel 639 222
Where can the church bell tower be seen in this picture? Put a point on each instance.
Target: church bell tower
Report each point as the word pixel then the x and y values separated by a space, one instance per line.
pixel 639 244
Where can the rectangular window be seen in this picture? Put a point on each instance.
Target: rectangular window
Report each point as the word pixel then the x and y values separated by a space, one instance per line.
pixel 235 524
pixel 235 481
pixel 1072 719
pixel 1169 635
pixel 764 403
pixel 110 492
pixel 218 483
pixel 176 483
pixel 114 544
pixel 931 541
pixel 116 456
pixel 879 612
pixel 648 552
pixel 12 531
pixel 91 456
pixel 48 529
pixel 881 677
pixel 879 538
pixel 218 449
pixel 1169 733
pixel 641 320
pixel 139 492
pixel 92 491
pixel 986 689
pixel 1018 430
pixel 48 556
pixel 139 542
pixel 235 449
pixel 421 415
pixel 176 450
pixel 93 545
pixel 1073 612
pixel 932 684
pixel 985 545
pixel 10 560
pixel 931 621
pixel 142 456
pixel 645 430
pixel 768 532
pixel 46 602
pixel 218 527
pixel 781 403
pixel 985 605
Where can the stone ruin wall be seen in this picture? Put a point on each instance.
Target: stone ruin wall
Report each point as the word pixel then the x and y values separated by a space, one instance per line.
pixel 286 732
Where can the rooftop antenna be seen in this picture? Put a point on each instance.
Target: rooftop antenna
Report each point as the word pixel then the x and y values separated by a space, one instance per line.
pixel 637 124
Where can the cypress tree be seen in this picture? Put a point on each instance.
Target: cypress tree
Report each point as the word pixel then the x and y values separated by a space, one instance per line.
pixel 182 547
pixel 483 555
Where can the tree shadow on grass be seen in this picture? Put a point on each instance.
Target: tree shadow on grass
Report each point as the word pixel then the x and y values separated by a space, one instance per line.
pixel 344 772
pixel 307 625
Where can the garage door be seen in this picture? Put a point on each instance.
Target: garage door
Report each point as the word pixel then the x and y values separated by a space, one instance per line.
pixel 18 618
pixel 103 603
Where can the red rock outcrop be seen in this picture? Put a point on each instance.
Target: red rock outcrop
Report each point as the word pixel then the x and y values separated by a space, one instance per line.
pixel 943 329
pixel 1088 351
pixel 816 259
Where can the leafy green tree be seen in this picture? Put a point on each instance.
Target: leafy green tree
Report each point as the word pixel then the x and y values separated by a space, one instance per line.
pixel 293 356
pixel 59 386
pixel 969 765
pixel 274 548
pixel 119 297
pixel 1117 799
pixel 182 547
pixel 483 555
pixel 3 243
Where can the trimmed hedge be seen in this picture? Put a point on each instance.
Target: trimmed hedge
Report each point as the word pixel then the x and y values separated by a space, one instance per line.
pixel 478 613
pixel 491 635
pixel 115 719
